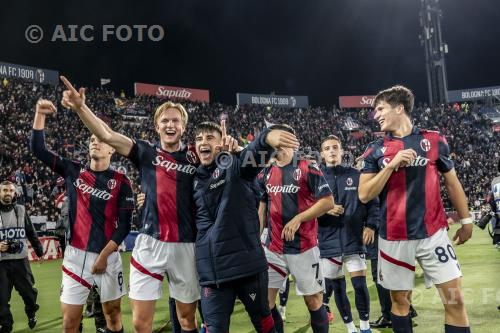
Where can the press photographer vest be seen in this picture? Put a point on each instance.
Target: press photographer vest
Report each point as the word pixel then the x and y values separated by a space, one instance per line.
pixel 12 228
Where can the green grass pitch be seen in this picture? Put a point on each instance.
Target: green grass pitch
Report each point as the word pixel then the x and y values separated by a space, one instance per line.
pixel 480 263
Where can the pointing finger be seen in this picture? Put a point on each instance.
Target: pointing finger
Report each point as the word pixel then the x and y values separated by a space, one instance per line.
pixel 223 128
pixel 68 84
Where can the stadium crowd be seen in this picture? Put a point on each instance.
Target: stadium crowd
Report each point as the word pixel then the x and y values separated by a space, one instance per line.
pixel 468 132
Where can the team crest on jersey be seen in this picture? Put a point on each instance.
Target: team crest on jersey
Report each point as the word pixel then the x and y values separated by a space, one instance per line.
pixel 425 145
pixel 191 157
pixel 349 181
pixel 216 174
pixel 297 174
pixel 111 184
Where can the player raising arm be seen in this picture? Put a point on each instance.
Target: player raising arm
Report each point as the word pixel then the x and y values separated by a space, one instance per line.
pixel 100 212
pixel 165 245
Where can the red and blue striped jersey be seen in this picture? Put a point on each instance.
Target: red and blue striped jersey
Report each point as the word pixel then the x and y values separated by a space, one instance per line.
pixel 288 191
pixel 100 203
pixel 410 202
pixel 167 180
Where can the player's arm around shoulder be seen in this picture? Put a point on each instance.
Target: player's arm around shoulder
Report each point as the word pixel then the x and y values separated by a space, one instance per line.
pixel 459 201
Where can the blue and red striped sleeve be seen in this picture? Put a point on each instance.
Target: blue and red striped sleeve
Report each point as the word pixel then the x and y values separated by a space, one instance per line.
pixel 138 151
pixel 444 162
pixel 370 164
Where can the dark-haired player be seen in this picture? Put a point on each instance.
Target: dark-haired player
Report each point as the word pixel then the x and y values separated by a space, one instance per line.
pixel 403 170
pixel 343 235
pixel 296 194
pixel 100 211
pixel 229 256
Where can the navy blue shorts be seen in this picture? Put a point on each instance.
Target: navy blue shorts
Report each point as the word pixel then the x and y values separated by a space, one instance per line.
pixel 217 303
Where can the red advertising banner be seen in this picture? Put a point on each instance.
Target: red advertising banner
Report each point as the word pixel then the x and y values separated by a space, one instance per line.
pixel 51 249
pixel 346 102
pixel 189 94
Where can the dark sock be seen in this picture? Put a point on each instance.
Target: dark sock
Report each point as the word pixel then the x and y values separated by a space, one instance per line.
pixel 284 294
pixel 110 331
pixel 401 324
pixel 384 298
pixel 176 326
pixel 328 291
pixel 278 321
pixel 192 331
pixel 319 320
pixel 455 329
pixel 341 300
pixel 361 297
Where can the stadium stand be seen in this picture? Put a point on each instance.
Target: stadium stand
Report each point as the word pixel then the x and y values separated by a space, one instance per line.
pixel 468 131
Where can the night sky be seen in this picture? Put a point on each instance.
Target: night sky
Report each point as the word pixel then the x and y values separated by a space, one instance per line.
pixel 319 48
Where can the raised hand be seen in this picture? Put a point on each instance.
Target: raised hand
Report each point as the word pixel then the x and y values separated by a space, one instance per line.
pixel 229 143
pixel 282 139
pixel 45 107
pixel 72 99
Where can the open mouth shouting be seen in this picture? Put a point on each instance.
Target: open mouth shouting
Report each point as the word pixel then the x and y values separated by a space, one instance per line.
pixel 170 133
pixel 205 152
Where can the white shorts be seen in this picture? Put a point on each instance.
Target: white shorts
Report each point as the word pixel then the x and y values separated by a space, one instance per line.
pixel 152 260
pixel 304 267
pixel 77 279
pixel 332 267
pixel 435 254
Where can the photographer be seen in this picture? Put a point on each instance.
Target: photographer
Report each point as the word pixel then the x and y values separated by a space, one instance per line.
pixel 15 230
pixel 491 213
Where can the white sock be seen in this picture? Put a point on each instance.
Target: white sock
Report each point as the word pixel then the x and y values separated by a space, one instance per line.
pixel 350 327
pixel 364 325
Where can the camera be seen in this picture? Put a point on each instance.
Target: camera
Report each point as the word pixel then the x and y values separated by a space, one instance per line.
pixel 15 246
pixel 484 220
